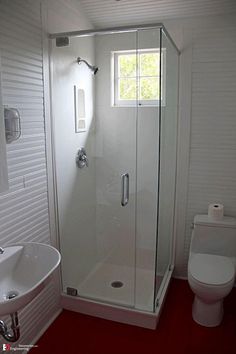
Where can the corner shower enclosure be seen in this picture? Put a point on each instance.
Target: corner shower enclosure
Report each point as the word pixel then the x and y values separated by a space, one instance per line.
pixel 116 214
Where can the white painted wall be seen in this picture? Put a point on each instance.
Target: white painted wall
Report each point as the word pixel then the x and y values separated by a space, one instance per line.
pixel 24 213
pixel 207 131
pixel 24 208
pixel 3 155
pixel 65 15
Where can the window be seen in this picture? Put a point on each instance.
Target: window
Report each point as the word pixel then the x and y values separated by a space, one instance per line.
pixel 136 76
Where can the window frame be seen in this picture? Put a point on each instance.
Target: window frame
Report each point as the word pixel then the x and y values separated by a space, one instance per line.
pixel 115 101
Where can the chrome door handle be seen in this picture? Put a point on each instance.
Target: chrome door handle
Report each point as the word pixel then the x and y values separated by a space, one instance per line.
pixel 124 189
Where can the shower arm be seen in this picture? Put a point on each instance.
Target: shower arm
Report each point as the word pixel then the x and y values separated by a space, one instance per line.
pixel 79 61
pixel 94 69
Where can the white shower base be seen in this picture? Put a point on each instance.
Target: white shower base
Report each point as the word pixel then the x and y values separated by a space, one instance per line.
pixel 98 286
pixel 122 312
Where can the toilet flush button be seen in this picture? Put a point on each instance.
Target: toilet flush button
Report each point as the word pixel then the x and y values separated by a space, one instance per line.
pixel 211 269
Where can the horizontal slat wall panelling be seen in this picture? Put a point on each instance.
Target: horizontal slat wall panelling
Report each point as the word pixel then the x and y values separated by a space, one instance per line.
pixel 213 128
pixel 18 50
pixel 20 42
pixel 12 58
pixel 10 77
pixel 106 13
pixel 42 308
pixel 24 214
pixel 7 31
pixel 4 184
pixel 21 60
pixel 26 14
pixel 30 29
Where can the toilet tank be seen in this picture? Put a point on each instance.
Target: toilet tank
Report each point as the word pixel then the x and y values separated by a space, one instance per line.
pixel 214 237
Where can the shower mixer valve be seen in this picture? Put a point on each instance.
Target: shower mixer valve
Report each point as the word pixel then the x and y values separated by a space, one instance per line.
pixel 81 158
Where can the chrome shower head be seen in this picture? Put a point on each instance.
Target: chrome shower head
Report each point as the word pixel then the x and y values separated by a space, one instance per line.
pixel 93 68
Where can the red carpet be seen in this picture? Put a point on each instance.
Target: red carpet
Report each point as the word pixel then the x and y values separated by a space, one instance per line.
pixel 176 332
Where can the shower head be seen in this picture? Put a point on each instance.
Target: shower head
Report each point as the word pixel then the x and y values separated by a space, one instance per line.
pixel 93 68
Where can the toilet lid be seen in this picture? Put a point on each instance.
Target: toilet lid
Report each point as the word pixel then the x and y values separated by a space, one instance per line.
pixel 211 269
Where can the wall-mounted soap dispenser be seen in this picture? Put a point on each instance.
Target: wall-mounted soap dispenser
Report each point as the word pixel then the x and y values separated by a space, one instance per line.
pixel 12 124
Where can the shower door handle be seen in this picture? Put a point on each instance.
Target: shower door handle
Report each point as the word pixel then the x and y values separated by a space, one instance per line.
pixel 124 189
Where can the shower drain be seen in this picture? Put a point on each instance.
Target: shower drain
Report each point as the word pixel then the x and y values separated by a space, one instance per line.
pixel 117 284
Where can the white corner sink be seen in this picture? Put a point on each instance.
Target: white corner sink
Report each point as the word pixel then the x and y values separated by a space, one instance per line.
pixel 24 270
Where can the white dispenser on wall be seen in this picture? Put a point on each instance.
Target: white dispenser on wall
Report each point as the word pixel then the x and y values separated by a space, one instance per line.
pixel 12 124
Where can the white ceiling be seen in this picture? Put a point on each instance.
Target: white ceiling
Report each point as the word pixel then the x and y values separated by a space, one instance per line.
pixel 110 13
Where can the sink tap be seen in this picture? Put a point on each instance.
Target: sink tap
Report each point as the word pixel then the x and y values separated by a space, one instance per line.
pixel 1 250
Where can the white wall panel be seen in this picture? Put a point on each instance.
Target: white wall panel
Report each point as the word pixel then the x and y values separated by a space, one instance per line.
pixel 104 13
pixel 24 214
pixel 3 158
pixel 212 167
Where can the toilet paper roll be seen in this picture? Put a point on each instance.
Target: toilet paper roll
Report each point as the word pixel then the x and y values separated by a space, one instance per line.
pixel 216 211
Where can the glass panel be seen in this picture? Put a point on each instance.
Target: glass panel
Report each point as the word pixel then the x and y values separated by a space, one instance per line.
pixel 97 233
pixel 115 154
pixel 109 249
pixel 147 180
pixel 168 146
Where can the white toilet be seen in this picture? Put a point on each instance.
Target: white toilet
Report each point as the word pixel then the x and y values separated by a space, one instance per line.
pixel 211 267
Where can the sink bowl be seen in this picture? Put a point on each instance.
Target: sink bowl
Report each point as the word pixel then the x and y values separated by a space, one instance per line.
pixel 24 271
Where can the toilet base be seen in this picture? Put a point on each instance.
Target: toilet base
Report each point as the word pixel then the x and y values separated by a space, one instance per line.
pixel 205 314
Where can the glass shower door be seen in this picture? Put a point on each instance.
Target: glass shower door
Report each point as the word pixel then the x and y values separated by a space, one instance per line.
pixel 168 156
pixel 147 165
pixel 111 277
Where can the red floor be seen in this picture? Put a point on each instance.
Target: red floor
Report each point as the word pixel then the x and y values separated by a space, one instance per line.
pixel 176 332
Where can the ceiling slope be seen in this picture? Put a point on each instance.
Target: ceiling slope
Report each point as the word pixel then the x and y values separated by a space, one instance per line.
pixel 110 13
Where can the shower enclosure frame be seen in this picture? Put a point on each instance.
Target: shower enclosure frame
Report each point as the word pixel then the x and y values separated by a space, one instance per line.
pixel 112 30
pixel 93 307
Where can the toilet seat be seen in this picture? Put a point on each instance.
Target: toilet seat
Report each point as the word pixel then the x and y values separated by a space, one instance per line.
pixel 211 269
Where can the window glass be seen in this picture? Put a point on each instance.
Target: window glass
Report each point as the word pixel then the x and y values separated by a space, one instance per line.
pixel 127 89
pixel 127 65
pixel 149 64
pixel 132 70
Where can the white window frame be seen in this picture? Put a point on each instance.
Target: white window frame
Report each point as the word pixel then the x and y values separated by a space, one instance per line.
pixel 115 101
